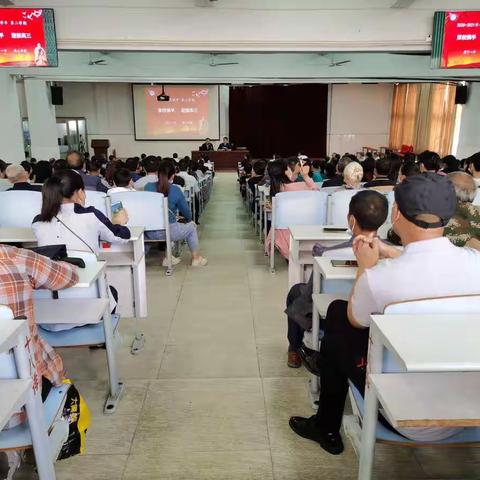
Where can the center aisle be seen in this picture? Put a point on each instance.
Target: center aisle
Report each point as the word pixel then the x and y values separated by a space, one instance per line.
pixel 210 396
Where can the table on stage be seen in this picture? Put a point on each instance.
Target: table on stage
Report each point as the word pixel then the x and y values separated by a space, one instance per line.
pixel 223 159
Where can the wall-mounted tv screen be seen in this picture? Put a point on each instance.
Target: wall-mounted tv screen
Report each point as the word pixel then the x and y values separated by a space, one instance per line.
pixel 27 37
pixel 456 39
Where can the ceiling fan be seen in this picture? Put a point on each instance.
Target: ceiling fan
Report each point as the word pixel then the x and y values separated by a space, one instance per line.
pixel 213 63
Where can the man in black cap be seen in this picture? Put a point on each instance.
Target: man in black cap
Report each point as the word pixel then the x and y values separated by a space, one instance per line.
pixel 430 266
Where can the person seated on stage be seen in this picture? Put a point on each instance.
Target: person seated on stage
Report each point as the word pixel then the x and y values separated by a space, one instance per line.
pixel 122 181
pixel 367 212
pixel 225 145
pixel 317 171
pixel 464 227
pixel 282 179
pixel 76 162
pixel 352 176
pixel 408 169
pixel 429 161
pixel 176 203
pixel 22 271
pixel 382 171
pixel 64 219
pixel 134 167
pixel 150 167
pixel 423 206
pixel 337 180
pixel 18 177
pixel 206 146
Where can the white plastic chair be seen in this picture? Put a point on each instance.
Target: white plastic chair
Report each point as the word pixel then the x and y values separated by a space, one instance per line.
pixel 296 208
pixel 339 205
pixel 455 305
pixel 97 200
pixel 19 208
pixel 5 184
pixel 476 200
pixel 148 210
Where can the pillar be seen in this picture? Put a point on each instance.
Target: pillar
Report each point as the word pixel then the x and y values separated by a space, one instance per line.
pixel 11 137
pixel 41 120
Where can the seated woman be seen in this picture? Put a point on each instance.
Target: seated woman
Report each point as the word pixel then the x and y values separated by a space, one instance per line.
pixel 64 219
pixel 352 176
pixel 176 203
pixel 282 179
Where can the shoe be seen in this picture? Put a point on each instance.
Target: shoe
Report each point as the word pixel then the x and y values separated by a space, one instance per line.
pixel 175 261
pixel 310 359
pixel 199 262
pixel 294 360
pixel 306 428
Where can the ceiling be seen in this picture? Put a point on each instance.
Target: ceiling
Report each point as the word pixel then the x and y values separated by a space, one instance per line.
pixel 261 4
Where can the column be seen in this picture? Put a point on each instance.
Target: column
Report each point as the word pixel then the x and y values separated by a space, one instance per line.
pixel 11 137
pixel 41 120
pixel 469 135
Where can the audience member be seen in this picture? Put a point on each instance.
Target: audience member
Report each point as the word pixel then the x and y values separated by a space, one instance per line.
pixel 368 166
pixel 382 172
pixel 64 219
pixel 317 171
pixel 18 176
pixel 258 171
pixel 122 181
pixel 28 168
pixel 474 168
pixel 3 167
pixel 367 212
pixel 423 206
pixel 60 165
pixel 352 176
pixel 134 167
pixel 465 224
pixel 42 171
pixel 450 164
pixel 176 203
pixel 429 161
pixel 76 163
pixel 408 169
pixel 337 180
pixel 22 271
pixel 150 167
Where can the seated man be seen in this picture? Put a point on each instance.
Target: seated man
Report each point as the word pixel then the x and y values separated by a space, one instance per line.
pixel 382 170
pixel 367 212
pixel 22 271
pixel 122 181
pixel 430 266
pixel 337 180
pixel 18 176
pixel 225 145
pixel 76 162
pixel 206 146
pixel 150 167
pixel 465 224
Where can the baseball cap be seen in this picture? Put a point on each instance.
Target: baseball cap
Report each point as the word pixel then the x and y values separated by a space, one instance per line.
pixel 426 193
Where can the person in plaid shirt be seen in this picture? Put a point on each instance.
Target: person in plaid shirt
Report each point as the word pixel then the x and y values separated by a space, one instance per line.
pixel 22 271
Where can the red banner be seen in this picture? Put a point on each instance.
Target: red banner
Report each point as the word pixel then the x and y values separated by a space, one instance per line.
pixel 22 38
pixel 461 40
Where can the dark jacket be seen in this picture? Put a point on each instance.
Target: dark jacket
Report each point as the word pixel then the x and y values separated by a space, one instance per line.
pixel 336 181
pixel 25 186
pixel 206 147
pixel 92 183
pixel 380 182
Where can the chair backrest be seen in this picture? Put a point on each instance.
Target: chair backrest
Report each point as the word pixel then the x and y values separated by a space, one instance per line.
pixel 455 305
pixel 19 208
pixel 145 209
pixel 5 184
pixel 7 362
pixel 300 208
pixel 339 204
pixel 97 200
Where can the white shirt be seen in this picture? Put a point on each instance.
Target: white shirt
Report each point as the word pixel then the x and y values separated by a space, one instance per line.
pixel 426 269
pixel 119 189
pixel 141 182
pixel 190 181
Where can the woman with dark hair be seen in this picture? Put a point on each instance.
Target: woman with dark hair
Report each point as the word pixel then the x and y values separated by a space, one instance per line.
pixel 282 179
pixel 42 171
pixel 176 203
pixel 64 219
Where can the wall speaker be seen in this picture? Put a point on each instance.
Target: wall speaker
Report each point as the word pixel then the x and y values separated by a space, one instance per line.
pixel 57 95
pixel 461 95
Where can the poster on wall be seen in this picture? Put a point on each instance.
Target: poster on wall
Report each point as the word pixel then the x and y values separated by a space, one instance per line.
pixel 27 37
pixel 456 39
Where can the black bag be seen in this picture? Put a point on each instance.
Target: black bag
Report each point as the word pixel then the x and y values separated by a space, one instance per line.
pixel 58 253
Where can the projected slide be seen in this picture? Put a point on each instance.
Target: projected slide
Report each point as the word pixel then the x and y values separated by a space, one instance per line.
pixel 190 114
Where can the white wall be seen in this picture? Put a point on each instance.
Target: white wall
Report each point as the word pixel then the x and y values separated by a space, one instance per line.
pixel 359 116
pixel 469 138
pixel 108 109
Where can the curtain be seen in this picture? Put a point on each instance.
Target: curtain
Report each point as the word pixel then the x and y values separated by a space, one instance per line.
pixel 423 115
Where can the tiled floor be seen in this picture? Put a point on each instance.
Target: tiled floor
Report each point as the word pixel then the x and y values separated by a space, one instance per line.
pixel 210 396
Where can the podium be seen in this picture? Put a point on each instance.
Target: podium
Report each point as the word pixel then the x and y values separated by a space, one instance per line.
pixel 224 160
pixel 100 146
